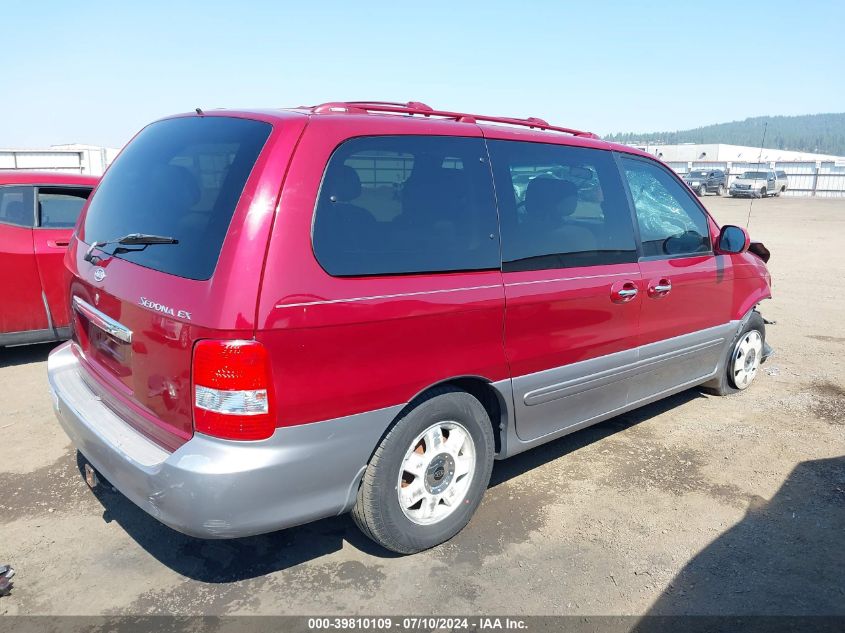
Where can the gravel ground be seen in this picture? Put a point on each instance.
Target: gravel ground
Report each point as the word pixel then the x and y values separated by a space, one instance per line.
pixel 696 504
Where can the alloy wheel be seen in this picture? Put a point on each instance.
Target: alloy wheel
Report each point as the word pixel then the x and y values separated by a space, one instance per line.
pixel 436 473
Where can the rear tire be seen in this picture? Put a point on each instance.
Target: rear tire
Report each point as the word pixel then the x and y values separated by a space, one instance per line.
pixel 720 191
pixel 418 489
pixel 743 360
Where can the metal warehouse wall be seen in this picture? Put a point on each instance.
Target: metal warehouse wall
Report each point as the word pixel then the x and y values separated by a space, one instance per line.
pixel 820 179
pixel 91 161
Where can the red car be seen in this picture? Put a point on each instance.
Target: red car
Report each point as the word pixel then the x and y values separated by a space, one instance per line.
pixel 38 211
pixel 286 315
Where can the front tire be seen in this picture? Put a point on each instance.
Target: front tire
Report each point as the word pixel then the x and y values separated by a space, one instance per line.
pixel 743 361
pixel 702 191
pixel 763 192
pixel 428 474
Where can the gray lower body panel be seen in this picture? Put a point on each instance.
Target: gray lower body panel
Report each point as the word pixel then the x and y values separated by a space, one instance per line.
pixel 554 402
pixel 692 358
pixel 213 488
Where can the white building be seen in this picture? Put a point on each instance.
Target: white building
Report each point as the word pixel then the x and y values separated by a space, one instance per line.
pixel 722 153
pixel 90 160
pixel 809 174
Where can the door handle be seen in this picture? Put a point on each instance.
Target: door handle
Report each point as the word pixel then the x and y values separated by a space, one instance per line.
pixel 660 288
pixel 58 243
pixel 623 292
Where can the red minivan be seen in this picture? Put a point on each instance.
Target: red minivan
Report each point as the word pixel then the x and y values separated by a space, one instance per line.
pixel 285 315
pixel 38 211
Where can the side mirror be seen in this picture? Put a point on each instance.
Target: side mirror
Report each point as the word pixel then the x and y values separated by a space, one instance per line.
pixel 733 239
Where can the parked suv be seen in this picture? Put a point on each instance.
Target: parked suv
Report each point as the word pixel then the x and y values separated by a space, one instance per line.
pixel 707 180
pixel 38 211
pixel 280 316
pixel 758 184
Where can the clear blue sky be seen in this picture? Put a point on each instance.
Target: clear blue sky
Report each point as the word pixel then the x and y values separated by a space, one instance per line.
pixel 95 72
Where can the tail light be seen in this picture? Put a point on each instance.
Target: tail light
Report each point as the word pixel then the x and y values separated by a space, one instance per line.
pixel 232 390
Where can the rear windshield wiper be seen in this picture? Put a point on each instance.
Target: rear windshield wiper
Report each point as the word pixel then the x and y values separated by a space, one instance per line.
pixel 132 239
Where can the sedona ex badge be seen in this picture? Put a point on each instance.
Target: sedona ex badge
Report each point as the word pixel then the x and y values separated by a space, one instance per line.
pixel 152 305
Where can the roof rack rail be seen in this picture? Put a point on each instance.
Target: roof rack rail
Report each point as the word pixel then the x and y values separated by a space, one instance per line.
pixel 417 105
pixel 421 109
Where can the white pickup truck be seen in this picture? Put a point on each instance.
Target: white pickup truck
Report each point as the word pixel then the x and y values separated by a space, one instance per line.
pixel 759 184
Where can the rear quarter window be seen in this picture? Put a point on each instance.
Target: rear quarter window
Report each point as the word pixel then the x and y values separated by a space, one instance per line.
pixel 179 178
pixel 406 204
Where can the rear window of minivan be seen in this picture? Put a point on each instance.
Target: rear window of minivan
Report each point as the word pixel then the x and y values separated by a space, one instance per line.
pixel 179 178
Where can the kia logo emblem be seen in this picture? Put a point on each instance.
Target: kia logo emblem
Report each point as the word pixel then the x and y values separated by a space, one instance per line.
pixel 99 273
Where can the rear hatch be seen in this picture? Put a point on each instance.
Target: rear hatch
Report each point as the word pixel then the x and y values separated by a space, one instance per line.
pixel 206 187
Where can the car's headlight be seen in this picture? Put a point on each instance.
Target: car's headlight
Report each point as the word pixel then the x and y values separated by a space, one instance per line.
pixel 695 183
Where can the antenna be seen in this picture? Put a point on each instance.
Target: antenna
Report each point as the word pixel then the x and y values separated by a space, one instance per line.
pixel 759 159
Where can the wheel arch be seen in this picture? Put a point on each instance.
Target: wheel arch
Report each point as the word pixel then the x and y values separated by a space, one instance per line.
pixel 493 399
pixel 483 389
pixel 750 303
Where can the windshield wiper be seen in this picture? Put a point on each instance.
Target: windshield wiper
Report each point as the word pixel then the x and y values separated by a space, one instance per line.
pixel 132 239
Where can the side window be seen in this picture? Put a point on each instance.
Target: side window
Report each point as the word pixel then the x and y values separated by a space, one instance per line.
pixel 16 206
pixel 560 206
pixel 59 208
pixel 406 204
pixel 670 221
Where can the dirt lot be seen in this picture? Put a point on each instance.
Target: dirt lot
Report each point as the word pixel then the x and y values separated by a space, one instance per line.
pixel 697 504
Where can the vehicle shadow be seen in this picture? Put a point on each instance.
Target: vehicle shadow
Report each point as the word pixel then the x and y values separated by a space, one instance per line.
pixel 784 558
pixel 223 561
pixel 25 354
pixel 229 560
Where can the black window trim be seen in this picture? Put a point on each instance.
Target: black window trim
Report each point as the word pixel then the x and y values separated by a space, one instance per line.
pixel 37 188
pixel 658 164
pixel 486 159
pixel 33 219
